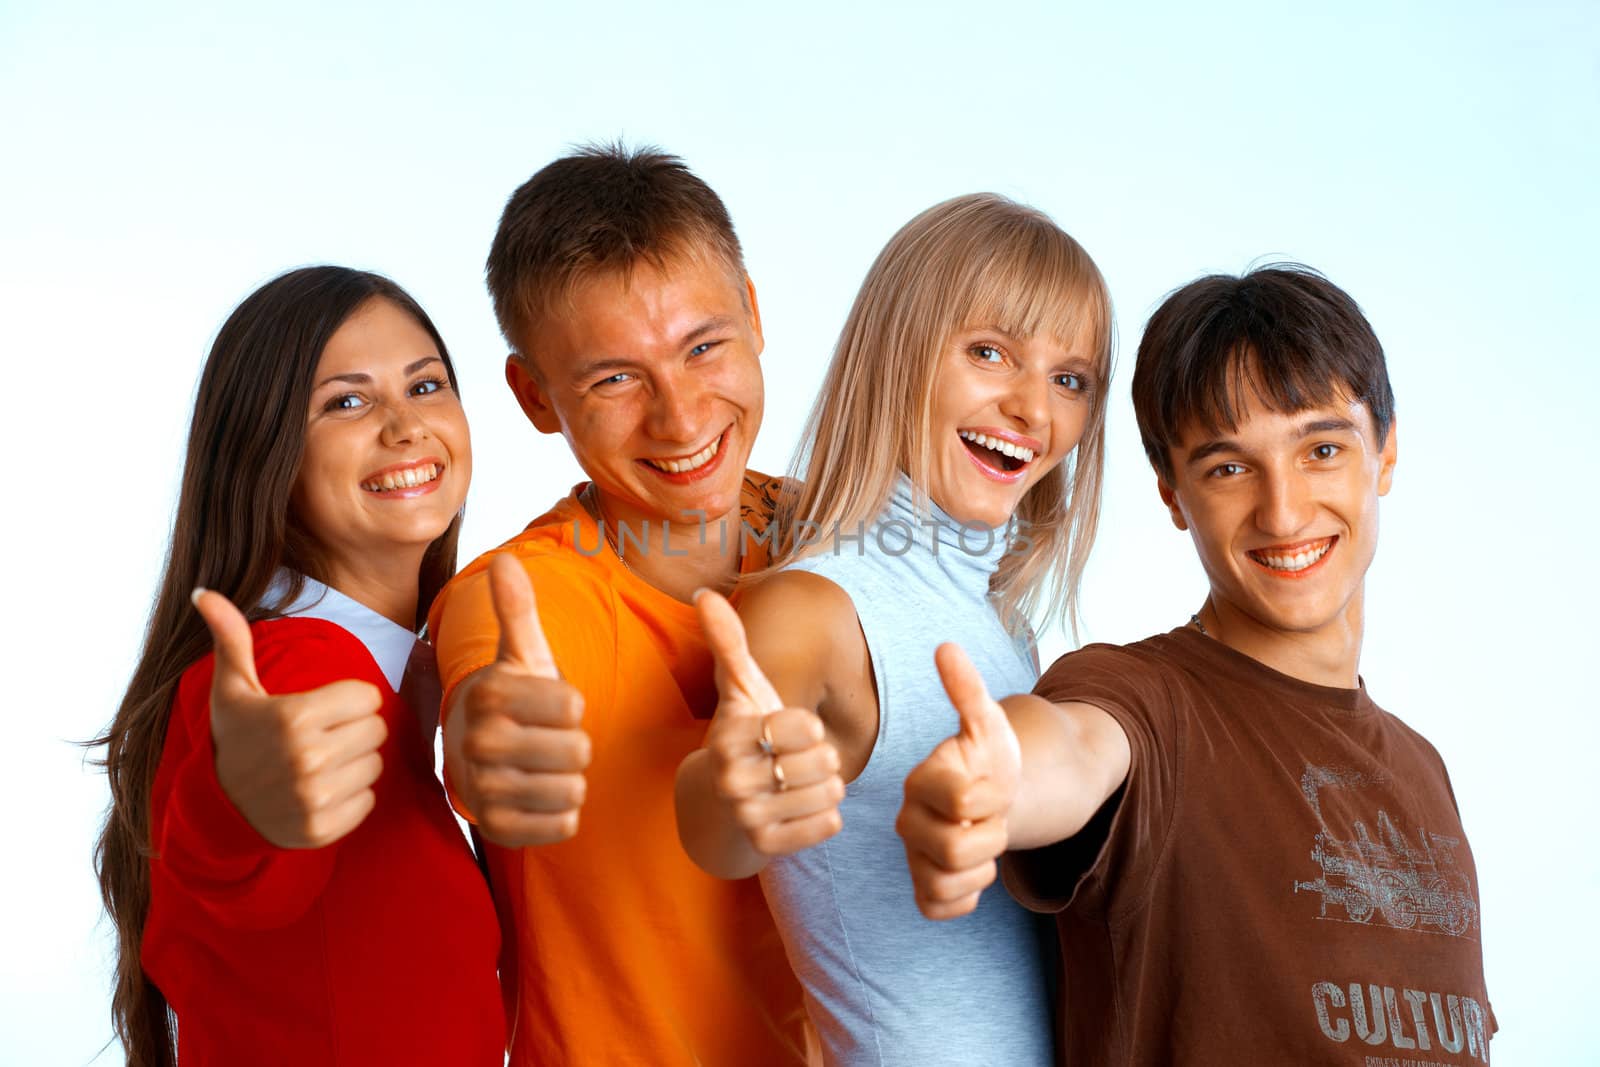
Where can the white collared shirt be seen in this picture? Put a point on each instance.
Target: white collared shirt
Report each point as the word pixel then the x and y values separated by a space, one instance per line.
pixel 391 645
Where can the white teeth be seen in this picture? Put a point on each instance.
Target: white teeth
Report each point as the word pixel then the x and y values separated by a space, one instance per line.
pixel 694 462
pixel 1005 448
pixel 1297 562
pixel 409 478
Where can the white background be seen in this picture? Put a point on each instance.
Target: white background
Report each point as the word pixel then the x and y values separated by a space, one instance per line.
pixel 157 162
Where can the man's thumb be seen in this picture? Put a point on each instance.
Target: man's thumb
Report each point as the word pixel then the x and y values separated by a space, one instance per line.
pixel 983 721
pixel 231 641
pixel 522 640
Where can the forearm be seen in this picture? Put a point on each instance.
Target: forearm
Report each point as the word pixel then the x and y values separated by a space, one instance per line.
pixel 707 828
pixel 205 846
pixel 1073 758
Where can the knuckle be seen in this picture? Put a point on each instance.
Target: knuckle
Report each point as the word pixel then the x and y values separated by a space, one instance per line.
pixel 306 794
pixel 749 815
pixel 567 825
pixel 583 750
pixel 726 783
pixel 487 698
pixel 766 840
pixel 573 706
pixel 946 852
pixel 478 746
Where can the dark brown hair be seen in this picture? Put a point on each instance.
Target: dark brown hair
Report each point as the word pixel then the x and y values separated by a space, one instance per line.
pixel 1282 332
pixel 234 529
pixel 603 208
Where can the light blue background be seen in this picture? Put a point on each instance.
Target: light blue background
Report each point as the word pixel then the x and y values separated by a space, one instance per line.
pixel 1439 161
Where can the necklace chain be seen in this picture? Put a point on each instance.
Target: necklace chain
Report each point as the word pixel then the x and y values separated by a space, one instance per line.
pixel 591 504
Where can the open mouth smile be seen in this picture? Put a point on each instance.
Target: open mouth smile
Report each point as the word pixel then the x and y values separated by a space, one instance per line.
pixel 405 479
pixel 1292 561
pixel 1001 458
pixel 683 469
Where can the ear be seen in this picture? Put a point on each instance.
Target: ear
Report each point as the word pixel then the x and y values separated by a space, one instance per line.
pixel 755 312
pixel 530 395
pixel 1170 499
pixel 1386 458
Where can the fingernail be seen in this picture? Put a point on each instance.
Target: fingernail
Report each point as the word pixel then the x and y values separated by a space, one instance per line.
pixel 697 594
pixel 194 595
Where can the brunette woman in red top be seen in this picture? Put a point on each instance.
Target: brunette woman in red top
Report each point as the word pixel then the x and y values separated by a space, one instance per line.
pixel 287 881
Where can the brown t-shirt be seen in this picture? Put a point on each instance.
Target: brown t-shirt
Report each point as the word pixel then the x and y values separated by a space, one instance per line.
pixel 1282 879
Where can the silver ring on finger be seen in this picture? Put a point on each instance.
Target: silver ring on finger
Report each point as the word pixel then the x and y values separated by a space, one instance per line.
pixel 778 776
pixel 764 742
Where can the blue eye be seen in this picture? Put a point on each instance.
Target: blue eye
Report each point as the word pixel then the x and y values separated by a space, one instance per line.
pixel 702 348
pixel 615 379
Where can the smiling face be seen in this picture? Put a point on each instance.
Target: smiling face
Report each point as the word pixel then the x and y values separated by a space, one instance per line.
pixel 1284 512
pixel 1006 410
pixel 387 458
pixel 653 378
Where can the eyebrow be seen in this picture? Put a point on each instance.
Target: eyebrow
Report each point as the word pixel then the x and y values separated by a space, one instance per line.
pixel 584 371
pixel 363 379
pixel 1309 429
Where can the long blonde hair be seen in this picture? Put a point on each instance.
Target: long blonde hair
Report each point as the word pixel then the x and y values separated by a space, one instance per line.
pixel 973 260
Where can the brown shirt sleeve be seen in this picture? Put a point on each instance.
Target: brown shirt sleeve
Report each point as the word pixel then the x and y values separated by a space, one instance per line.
pixel 1122 844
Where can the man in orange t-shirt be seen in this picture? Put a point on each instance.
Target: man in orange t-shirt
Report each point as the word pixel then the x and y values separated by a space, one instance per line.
pixel 620 285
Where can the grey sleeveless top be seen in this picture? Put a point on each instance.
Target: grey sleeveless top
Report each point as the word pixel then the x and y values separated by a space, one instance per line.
pixel 884 985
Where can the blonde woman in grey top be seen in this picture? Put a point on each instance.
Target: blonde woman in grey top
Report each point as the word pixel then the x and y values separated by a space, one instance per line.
pixel 947 489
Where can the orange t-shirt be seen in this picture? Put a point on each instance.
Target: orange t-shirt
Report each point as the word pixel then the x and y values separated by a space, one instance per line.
pixel 620 949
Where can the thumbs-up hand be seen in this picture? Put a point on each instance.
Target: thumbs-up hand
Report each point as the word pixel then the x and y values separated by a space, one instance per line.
pixel 953 820
pixel 299 766
pixel 523 749
pixel 772 766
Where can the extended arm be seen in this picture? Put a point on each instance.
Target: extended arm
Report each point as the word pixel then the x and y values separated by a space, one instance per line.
pixel 1074 757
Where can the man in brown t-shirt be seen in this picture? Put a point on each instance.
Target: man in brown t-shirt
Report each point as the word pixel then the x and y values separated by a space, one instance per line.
pixel 1248 859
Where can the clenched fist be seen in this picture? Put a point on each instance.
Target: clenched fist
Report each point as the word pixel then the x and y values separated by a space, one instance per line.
pixel 522 746
pixel 298 766
pixel 772 766
pixel 953 820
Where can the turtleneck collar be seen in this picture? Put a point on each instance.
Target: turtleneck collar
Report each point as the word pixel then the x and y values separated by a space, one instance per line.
pixel 968 552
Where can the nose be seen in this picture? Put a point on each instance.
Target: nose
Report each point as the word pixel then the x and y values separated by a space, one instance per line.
pixel 1027 399
pixel 402 425
pixel 677 408
pixel 1284 506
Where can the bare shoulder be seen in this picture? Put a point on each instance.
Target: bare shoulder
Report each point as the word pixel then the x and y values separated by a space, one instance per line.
pixel 803 631
pixel 787 592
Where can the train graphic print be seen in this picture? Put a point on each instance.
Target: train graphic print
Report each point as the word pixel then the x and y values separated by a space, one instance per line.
pixel 1385 878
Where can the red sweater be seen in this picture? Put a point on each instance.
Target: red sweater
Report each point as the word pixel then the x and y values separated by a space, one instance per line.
pixel 377 949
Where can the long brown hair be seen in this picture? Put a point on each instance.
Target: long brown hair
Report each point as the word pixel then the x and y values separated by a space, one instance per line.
pixel 975 259
pixel 234 529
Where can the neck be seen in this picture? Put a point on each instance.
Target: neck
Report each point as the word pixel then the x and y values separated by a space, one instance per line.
pixel 676 557
pixel 384 580
pixel 1329 655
